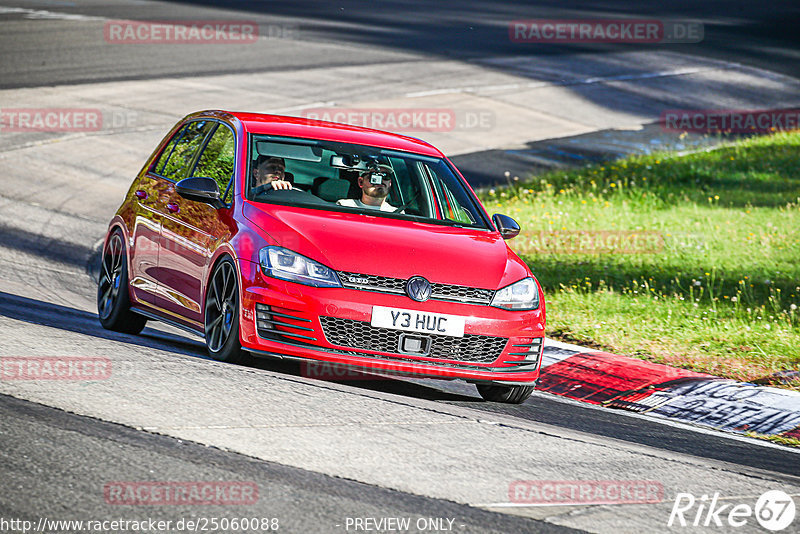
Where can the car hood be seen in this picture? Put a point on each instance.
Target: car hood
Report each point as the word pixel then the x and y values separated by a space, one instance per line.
pixel 395 248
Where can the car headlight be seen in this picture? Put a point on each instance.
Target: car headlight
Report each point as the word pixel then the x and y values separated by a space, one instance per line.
pixel 285 264
pixel 522 295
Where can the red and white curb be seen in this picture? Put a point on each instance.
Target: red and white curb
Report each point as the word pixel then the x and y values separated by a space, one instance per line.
pixel 615 381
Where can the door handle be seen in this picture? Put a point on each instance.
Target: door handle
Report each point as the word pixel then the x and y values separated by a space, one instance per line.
pixel 141 195
pixel 173 208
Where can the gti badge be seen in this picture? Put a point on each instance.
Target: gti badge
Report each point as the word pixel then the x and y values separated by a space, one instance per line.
pixel 418 288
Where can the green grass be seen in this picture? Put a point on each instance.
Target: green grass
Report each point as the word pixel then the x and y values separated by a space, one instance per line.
pixel 718 292
pixel 780 440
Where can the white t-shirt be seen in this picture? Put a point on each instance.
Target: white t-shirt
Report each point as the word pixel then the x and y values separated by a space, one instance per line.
pixel 356 203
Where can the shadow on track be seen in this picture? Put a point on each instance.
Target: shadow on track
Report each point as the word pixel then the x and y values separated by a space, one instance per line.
pixel 538 408
pixel 735 30
pixel 73 320
pixel 51 249
pixel 749 453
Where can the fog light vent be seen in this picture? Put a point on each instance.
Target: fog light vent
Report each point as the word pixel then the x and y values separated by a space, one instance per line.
pixel 273 325
pixel 532 351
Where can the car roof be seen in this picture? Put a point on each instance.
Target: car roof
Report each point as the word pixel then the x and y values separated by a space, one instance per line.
pixel 300 127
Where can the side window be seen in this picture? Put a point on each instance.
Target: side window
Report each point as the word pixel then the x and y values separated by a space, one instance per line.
pixel 216 161
pixel 158 168
pixel 180 152
pixel 454 210
pixel 452 203
pixel 401 187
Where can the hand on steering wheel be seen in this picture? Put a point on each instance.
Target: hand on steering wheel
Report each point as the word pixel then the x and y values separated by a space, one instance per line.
pixel 275 185
pixel 281 184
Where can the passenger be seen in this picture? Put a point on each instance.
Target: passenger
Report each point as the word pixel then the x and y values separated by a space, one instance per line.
pixel 373 195
pixel 270 171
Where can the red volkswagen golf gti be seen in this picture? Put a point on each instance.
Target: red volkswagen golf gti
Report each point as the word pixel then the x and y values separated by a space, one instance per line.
pixel 290 238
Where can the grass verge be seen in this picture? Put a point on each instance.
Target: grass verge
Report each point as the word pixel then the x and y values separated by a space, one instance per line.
pixel 688 260
pixel 780 440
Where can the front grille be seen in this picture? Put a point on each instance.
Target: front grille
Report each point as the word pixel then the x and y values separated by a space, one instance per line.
pixel 371 282
pixel 385 284
pixel 362 335
pixel 462 294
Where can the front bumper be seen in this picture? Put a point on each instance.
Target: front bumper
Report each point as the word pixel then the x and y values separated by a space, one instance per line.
pixel 332 325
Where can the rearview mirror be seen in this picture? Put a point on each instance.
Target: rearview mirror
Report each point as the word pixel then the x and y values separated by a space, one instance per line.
pixel 348 162
pixel 200 189
pixel 507 226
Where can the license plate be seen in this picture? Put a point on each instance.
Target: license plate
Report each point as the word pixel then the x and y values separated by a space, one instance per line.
pixel 418 321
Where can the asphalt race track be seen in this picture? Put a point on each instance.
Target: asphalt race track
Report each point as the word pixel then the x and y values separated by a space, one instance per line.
pixel 325 453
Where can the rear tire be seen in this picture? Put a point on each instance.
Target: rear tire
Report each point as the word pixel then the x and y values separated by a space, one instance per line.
pixel 506 394
pixel 113 297
pixel 222 315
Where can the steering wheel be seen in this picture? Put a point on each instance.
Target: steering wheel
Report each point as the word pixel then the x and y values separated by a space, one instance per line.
pixel 297 196
pixel 263 189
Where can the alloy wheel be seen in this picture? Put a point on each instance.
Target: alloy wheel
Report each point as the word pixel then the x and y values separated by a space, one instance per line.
pixel 110 276
pixel 221 307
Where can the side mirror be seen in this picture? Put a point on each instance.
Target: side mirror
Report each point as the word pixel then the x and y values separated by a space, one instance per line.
pixel 507 226
pixel 200 189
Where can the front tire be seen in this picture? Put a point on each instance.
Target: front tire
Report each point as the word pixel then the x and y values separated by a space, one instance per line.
pixel 113 298
pixel 222 314
pixel 506 394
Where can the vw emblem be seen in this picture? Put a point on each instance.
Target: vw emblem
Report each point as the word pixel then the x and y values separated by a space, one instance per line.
pixel 419 289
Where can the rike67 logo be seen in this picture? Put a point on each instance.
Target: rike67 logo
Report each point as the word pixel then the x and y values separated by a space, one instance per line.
pixel 774 510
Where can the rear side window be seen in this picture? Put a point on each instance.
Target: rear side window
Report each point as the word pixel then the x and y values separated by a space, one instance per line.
pixel 216 161
pixel 180 153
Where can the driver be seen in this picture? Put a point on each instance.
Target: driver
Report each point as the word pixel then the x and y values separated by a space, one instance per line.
pixel 270 171
pixel 375 184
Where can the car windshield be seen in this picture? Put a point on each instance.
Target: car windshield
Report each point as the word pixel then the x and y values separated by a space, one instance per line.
pixel 348 177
